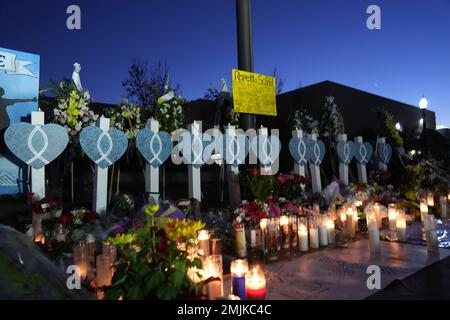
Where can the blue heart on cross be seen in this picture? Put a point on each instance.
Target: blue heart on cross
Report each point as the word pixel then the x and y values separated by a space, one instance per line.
pixel 385 152
pixel 346 151
pixel 103 147
pixel 316 151
pixel 363 152
pixel 154 147
pixel 37 146
pixel 299 150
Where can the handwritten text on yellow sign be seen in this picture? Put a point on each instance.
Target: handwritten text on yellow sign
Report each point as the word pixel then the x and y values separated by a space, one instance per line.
pixel 254 93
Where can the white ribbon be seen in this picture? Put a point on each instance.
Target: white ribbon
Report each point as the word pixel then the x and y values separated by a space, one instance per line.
pixel 37 155
pixel 104 156
pixel 13 66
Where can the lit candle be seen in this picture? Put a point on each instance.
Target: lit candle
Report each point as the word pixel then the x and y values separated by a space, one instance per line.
pixel 401 225
pixel 294 231
pixel 448 196
pixel 323 231
pixel 213 272
pixel 255 283
pixel 316 209
pixel 444 207
pixel 80 258
pixel 203 243
pixel 273 239
pixel 103 270
pixel 374 232
pixel 430 231
pixel 241 244
pixel 392 214
pixel 377 209
pixel 284 224
pixel 342 215
pixel 313 232
pixel 331 230
pixel 303 234
pixel 263 226
pixel 238 270
pixel 430 199
pixel 423 209
pixel 350 222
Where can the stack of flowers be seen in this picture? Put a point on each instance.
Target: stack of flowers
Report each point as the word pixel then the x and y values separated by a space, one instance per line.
pixel 170 114
pixel 126 117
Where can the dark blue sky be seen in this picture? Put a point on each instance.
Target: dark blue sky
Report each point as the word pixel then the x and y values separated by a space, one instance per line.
pixel 308 41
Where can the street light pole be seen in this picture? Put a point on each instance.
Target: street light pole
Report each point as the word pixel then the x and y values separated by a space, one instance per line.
pixel 245 50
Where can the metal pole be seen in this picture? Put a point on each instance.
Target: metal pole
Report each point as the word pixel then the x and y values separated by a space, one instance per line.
pixel 424 134
pixel 245 50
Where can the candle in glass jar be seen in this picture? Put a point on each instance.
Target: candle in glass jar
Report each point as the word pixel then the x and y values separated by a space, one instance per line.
pixel 444 207
pixel 238 270
pixel 303 235
pixel 350 223
pixel 374 232
pixel 401 225
pixel 330 230
pixel 313 232
pixel 316 209
pixel 255 283
pixel 294 231
pixel 377 209
pixel 430 231
pixel 392 214
pixel 263 226
pixel 323 230
pixel 241 244
pixel 430 199
pixel 284 225
pixel 80 258
pixel 203 243
pixel 213 272
pixel 423 209
pixel 342 215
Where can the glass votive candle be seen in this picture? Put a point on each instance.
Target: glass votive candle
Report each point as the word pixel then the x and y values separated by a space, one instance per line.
pixel 213 272
pixel 255 284
pixel 430 231
pixel 377 209
pixel 80 258
pixel 238 270
pixel 401 225
pixel 216 246
pixel 111 251
pixel 443 204
pixel 293 231
pixel 323 230
pixel 423 208
pixel 392 215
pixel 103 271
pixel 303 234
pixel 263 226
pixel 285 231
pixel 203 243
pixel 239 237
pixel 374 232
pixel 430 199
pixel 316 209
pixel 331 230
pixel 313 226
pixel 350 222
pixel 90 243
pixel 342 213
pixel 273 239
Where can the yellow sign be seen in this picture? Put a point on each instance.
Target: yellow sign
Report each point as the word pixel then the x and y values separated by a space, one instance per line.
pixel 254 93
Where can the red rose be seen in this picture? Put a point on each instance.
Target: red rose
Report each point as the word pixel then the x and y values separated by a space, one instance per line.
pixel 90 216
pixel 67 219
pixel 162 242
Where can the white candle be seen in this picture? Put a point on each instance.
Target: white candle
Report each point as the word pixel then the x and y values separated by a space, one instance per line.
pixel 331 231
pixel 430 231
pixel 350 223
pixel 303 237
pixel 392 214
pixel 284 224
pixel 401 225
pixel 313 232
pixel 203 243
pixel 213 269
pixel 263 226
pixel 316 209
pixel 374 232
pixel 323 231
pixel 423 209
pixel 444 207
pixel 342 215
pixel 430 199
pixel 377 209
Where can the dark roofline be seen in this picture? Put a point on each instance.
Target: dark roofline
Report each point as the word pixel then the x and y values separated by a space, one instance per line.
pixel 325 82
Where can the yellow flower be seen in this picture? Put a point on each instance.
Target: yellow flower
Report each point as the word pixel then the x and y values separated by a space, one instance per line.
pixel 122 239
pixel 126 114
pixel 181 230
pixel 160 101
pixel 138 110
pixel 150 210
